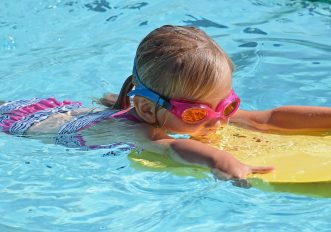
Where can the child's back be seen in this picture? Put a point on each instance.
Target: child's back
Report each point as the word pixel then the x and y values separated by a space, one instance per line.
pixel 66 123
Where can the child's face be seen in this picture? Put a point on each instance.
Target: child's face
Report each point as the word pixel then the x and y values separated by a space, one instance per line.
pixel 170 122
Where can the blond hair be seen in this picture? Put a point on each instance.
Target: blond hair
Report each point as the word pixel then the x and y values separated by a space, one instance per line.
pixel 177 62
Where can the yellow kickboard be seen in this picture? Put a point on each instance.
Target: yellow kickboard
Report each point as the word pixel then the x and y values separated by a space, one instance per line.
pixel 296 158
pixel 302 162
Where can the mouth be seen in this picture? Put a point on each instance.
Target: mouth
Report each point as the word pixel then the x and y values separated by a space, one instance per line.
pixel 211 130
pixel 206 132
pixel 208 136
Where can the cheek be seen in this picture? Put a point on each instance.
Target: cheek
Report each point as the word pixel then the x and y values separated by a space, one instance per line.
pixel 164 117
pixel 170 122
pixel 182 127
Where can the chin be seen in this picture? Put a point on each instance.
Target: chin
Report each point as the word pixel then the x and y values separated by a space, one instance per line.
pixel 202 133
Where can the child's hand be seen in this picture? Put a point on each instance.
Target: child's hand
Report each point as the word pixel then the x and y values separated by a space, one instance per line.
pixel 224 165
pixel 238 170
pixel 228 167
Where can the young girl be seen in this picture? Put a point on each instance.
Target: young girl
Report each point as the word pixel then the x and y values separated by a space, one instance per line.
pixel 182 84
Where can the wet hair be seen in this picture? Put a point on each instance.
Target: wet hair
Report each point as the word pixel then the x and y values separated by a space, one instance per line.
pixel 175 62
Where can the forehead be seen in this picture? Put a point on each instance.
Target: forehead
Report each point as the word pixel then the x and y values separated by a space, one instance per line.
pixel 219 91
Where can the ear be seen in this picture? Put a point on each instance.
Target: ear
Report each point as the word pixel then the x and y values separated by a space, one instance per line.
pixel 145 109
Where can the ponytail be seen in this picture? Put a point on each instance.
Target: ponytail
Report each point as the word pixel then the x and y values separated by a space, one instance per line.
pixel 121 101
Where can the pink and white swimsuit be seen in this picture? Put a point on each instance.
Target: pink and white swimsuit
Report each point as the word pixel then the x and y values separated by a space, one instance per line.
pixel 16 117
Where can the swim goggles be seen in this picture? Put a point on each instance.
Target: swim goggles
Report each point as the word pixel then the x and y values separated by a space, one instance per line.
pixel 191 112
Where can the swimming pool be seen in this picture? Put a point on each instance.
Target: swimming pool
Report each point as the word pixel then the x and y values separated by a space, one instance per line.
pixel 81 49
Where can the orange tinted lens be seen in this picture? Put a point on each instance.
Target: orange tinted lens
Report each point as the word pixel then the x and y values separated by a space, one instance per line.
pixel 230 108
pixel 194 115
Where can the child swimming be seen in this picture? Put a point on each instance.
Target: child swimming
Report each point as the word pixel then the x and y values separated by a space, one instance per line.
pixel 181 83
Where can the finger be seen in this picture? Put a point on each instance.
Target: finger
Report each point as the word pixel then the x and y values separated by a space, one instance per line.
pixel 242 183
pixel 261 170
pixel 220 175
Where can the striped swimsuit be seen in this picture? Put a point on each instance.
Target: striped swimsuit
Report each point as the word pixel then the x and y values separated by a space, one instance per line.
pixel 16 117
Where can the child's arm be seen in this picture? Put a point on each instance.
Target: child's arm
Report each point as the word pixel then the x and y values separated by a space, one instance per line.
pixel 286 118
pixel 189 151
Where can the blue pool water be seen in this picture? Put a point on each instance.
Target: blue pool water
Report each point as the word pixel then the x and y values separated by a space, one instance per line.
pixel 77 50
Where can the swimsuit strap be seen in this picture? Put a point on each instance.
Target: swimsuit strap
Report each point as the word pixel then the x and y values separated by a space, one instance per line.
pixel 67 134
pixel 124 114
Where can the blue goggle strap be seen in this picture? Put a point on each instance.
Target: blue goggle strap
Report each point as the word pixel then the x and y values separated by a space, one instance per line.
pixel 143 91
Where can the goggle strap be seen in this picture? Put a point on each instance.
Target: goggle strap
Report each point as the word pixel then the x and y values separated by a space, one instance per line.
pixel 143 91
pixel 164 103
pixel 150 96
